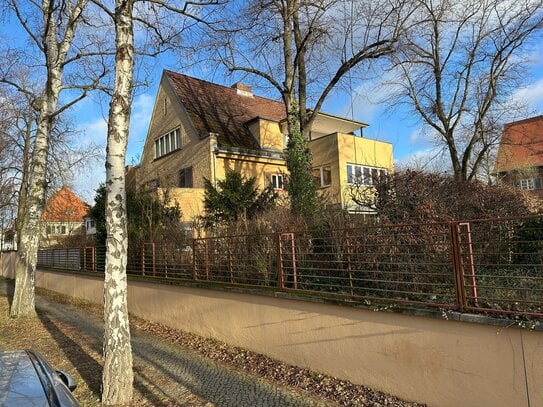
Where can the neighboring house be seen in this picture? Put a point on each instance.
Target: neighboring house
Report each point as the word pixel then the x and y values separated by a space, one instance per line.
pixel 7 239
pixel 520 155
pixel 63 217
pixel 90 227
pixel 202 130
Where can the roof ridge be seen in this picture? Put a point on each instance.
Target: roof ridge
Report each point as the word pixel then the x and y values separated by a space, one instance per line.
pixel 521 121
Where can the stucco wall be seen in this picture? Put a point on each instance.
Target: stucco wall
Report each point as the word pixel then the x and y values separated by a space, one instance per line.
pixel 8 261
pixel 443 363
pixel 258 167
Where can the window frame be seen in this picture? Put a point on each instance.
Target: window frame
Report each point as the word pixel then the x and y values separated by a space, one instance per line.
pixel 320 169
pixel 366 174
pixel 530 184
pixel 279 181
pixel 183 171
pixel 167 143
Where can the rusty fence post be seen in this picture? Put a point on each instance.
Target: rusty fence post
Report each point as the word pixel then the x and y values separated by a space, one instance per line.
pixel 458 269
pixel 206 258
pixel 153 249
pixel 143 259
pixel 293 254
pixel 280 276
pixel 349 247
pixel 471 261
pixel 194 261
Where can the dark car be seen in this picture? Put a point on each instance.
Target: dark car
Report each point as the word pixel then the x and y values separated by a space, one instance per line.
pixel 26 379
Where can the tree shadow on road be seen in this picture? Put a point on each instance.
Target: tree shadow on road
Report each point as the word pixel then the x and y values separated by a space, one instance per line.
pixel 86 366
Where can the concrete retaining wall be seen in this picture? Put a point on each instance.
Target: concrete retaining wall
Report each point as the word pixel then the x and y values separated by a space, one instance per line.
pixel 8 261
pixel 442 363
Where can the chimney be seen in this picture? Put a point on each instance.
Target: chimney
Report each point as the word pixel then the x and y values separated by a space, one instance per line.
pixel 242 89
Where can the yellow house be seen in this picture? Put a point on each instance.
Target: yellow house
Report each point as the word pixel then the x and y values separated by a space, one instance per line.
pixel 202 130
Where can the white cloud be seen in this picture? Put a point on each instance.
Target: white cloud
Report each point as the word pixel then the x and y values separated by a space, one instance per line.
pixel 531 94
pixel 429 159
pixel 415 136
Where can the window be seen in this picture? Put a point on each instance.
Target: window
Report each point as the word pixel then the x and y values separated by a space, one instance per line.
pixel 185 178
pixel 323 176
pixel 530 184
pixel 167 143
pixel 362 175
pixel 153 184
pixel 49 230
pixel 277 181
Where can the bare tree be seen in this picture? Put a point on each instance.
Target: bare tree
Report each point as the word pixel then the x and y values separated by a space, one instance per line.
pixel 304 49
pixel 152 16
pixel 458 67
pixel 50 27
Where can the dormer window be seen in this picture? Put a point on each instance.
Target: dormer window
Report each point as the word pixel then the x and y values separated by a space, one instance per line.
pixel 167 143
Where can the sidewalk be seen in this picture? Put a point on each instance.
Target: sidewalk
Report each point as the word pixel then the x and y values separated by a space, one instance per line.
pixel 172 374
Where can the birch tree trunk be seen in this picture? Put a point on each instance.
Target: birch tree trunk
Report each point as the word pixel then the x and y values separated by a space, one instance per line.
pixel 117 375
pixel 29 231
pixel 55 52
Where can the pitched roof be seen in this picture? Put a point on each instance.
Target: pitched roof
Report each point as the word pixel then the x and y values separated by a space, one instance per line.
pixel 219 109
pixel 521 145
pixel 64 206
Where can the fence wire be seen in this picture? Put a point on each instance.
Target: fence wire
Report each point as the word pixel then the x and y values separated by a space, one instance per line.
pixel 491 265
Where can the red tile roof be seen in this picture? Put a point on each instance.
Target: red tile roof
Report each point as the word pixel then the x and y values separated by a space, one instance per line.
pixel 65 206
pixel 521 145
pixel 220 109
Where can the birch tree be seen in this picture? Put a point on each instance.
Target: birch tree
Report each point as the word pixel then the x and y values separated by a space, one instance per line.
pixel 304 49
pixel 152 15
pixel 50 27
pixel 458 67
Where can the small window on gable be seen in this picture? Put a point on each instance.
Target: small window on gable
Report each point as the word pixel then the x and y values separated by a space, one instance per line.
pixel 165 106
pixel 185 177
pixel 167 143
pixel 277 181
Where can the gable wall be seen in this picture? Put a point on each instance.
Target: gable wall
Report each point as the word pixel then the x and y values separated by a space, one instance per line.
pixel 193 152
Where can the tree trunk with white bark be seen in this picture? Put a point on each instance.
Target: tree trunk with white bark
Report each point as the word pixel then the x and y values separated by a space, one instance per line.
pixel 117 377
pixel 55 53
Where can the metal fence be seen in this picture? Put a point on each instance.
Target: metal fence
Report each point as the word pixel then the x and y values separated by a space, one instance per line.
pixel 491 265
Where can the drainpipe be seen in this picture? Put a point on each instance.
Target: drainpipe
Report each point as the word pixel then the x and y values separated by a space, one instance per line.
pixel 215 152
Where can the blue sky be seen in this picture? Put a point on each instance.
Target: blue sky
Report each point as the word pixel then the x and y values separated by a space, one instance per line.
pixel 396 126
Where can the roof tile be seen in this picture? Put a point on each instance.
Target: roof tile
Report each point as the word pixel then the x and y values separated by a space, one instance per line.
pixel 219 109
pixel 65 206
pixel 521 145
